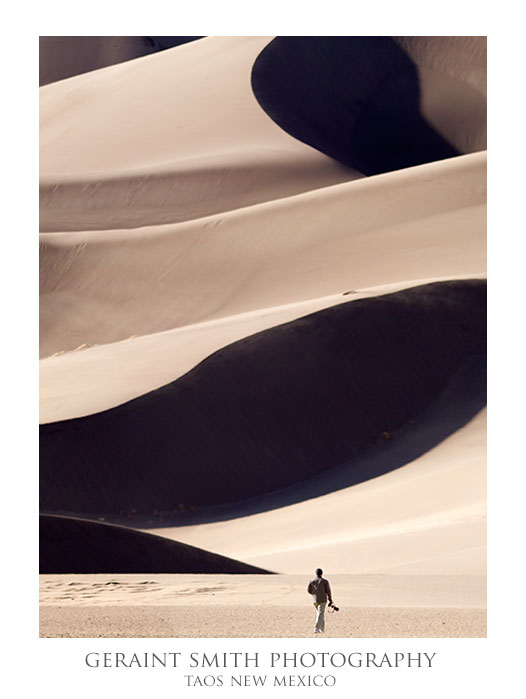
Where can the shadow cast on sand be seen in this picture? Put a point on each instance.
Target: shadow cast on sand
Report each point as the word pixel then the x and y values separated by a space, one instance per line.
pixel 269 411
pixel 72 545
pixel 354 98
pixel 461 400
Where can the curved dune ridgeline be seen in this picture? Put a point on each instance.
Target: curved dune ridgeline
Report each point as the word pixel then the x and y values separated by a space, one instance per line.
pixel 166 138
pixel 376 104
pixel 421 223
pixel 61 57
pixel 269 410
pixel 461 402
pixel 452 79
pixel 79 546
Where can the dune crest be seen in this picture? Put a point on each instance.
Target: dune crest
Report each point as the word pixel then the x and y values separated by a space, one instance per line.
pixel 104 286
pixel 192 141
pixel 371 104
pixel 70 545
pixel 268 410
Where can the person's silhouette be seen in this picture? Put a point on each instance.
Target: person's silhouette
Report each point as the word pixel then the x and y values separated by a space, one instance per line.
pixel 320 590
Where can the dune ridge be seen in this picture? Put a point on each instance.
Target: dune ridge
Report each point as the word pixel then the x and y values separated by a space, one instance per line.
pixel 452 77
pixel 269 412
pixel 70 545
pixel 99 377
pixel 188 139
pixel 104 286
pixel 358 98
pixel 460 404
pixel 426 517
pixel 64 56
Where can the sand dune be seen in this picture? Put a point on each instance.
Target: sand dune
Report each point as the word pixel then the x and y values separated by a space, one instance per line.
pixel 276 407
pixel 80 546
pixel 427 517
pixel 96 378
pixel 461 400
pixel 269 253
pixel 414 504
pixel 101 287
pixel 192 141
pixel 452 81
pixel 374 124
pixel 64 56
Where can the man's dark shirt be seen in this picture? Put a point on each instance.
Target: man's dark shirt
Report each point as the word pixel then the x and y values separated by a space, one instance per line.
pixel 320 589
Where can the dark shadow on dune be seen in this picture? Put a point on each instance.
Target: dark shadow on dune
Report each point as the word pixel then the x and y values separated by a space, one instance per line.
pixel 268 411
pixel 69 545
pixel 355 98
pixel 161 43
pixel 460 401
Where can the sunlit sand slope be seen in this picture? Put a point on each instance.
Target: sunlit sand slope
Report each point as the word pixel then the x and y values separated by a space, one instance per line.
pixel 168 137
pixel 268 410
pixel 427 517
pixel 74 384
pixel 105 286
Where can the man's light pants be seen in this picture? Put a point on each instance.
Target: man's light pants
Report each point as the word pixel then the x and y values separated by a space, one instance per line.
pixel 320 615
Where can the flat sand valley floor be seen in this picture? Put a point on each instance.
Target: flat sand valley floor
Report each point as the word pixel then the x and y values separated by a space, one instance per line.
pixel 259 606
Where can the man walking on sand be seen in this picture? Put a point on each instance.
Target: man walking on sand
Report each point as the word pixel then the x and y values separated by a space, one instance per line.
pixel 320 590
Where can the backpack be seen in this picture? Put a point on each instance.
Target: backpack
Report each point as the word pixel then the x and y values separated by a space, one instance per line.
pixel 313 586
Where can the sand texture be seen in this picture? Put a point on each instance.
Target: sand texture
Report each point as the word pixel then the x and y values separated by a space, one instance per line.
pixel 260 606
pixel 262 335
